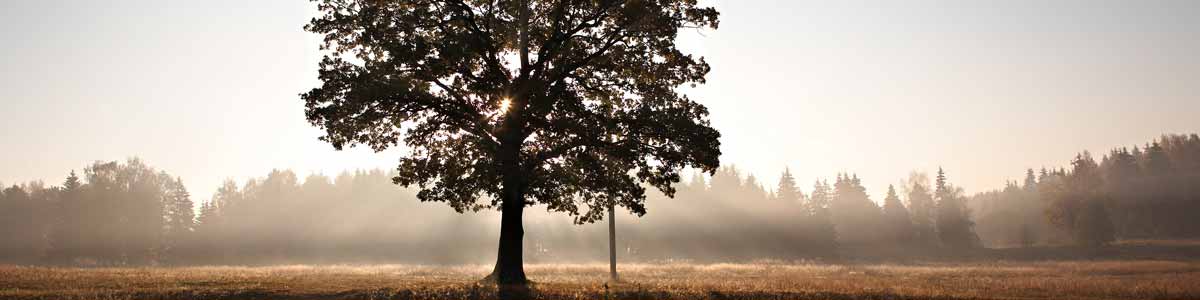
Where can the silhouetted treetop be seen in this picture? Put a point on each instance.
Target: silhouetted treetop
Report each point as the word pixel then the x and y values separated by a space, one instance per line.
pixel 575 101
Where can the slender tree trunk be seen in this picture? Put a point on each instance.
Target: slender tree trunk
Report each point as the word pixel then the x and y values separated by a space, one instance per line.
pixel 612 244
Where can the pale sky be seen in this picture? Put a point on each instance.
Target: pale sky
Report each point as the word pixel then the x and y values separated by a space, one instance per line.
pixel 207 90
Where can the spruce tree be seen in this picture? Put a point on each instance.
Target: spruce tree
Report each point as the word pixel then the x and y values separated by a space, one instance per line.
pixel 922 209
pixel 66 236
pixel 207 219
pixel 179 218
pixel 208 233
pixel 954 226
pixel 1155 161
pixel 898 220
pixel 940 187
pixel 1030 181
pixel 855 216
pixel 787 190
pixel 820 217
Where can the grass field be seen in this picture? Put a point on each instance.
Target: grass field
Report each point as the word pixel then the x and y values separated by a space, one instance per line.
pixel 1139 279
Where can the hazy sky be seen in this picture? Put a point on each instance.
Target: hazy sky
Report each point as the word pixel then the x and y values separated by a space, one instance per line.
pixel 207 90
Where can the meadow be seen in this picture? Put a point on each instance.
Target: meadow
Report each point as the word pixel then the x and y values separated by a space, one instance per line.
pixel 1097 279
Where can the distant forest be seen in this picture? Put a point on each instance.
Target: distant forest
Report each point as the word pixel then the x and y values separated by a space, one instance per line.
pixel 128 213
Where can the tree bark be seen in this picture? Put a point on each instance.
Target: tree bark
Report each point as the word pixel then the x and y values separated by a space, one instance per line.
pixel 510 261
pixel 509 256
pixel 612 244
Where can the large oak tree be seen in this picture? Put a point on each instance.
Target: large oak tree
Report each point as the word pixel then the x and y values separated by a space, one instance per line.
pixel 503 104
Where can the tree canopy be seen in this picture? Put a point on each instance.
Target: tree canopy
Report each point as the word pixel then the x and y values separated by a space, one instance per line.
pixel 580 100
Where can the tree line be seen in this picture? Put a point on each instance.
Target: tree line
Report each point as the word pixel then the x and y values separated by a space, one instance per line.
pixel 128 213
pixel 118 213
pixel 131 214
pixel 1138 192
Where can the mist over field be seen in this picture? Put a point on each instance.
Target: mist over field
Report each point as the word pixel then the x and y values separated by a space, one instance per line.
pixel 128 214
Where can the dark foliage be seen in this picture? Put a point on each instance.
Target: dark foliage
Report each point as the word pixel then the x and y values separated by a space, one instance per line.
pixel 1148 191
pixel 504 104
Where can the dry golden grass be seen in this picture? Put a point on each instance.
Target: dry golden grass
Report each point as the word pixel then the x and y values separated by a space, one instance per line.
pixel 1145 279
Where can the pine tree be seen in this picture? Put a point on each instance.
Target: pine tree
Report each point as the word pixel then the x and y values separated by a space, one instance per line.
pixel 1030 184
pixel 179 219
pixel 72 182
pixel 787 190
pixel 940 188
pixel 1085 173
pixel 821 197
pixel 855 217
pixel 1155 160
pixel 208 231
pixel 753 186
pixel 207 219
pixel 1120 167
pixel 820 217
pixel 953 221
pixel 66 236
pixel 899 222
pixel 922 209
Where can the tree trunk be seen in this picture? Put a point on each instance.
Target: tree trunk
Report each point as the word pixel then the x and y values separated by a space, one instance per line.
pixel 510 267
pixel 509 256
pixel 612 244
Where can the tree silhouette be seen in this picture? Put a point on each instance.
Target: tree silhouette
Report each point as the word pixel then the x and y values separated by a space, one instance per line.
pixel 569 104
pixel 179 216
pixel 1077 203
pixel 953 220
pixel 1155 160
pixel 787 190
pixel 20 222
pixel 922 209
pixel 855 217
pixel 67 236
pixel 822 219
pixel 897 218
pixel 1030 185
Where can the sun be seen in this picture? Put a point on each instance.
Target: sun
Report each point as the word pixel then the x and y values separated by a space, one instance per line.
pixel 505 103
